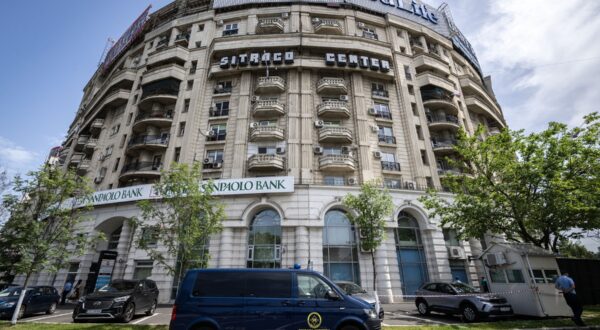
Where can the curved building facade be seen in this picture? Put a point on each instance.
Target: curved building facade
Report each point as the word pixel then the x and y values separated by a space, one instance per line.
pixel 289 106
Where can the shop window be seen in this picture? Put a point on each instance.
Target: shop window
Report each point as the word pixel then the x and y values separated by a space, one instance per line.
pixel 230 29
pixel 264 240
pixel 143 269
pixel 340 255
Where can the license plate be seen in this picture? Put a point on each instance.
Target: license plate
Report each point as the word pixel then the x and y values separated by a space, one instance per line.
pixel 94 311
pixel 505 309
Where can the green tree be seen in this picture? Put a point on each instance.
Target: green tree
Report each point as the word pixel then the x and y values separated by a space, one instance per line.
pixel 572 249
pixel 4 185
pixel 538 188
pixel 41 231
pixel 372 206
pixel 182 221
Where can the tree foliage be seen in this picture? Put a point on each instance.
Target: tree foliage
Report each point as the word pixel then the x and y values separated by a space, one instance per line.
pixel 372 206
pixel 182 220
pixel 538 188
pixel 570 249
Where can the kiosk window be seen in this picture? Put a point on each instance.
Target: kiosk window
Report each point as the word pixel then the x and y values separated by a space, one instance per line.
pixel 497 276
pixel 515 276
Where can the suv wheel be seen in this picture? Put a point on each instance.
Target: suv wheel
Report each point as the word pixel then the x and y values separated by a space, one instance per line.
pixel 469 313
pixel 152 309
pixel 51 309
pixel 422 307
pixel 21 312
pixel 128 313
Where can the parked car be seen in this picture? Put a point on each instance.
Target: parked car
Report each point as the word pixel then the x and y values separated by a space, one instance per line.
pixel 355 290
pixel 459 298
pixel 119 300
pixel 38 299
pixel 211 299
pixel 4 285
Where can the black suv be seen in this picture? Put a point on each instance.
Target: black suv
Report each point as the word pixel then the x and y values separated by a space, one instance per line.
pixel 119 300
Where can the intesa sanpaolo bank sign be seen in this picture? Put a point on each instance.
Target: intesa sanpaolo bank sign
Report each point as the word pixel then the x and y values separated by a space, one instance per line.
pixel 224 187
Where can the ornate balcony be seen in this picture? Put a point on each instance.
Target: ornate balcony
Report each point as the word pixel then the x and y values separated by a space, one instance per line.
pixel 270 25
pixel 157 119
pixel 267 133
pixel 443 146
pixel 441 122
pixel 83 166
pixel 81 141
pixel 333 109
pixel 272 84
pixel 140 170
pixel 335 135
pixel 268 108
pixel 263 162
pixel 149 142
pixel 77 158
pixel 327 26
pixel 337 163
pixel 97 125
pixel 91 144
pixel 330 85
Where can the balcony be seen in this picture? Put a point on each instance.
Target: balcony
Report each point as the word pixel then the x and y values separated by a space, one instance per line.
pixel 478 105
pixel 80 142
pixel 335 135
pixel 163 91
pixel 77 158
pixel 441 122
pixel 148 142
pixel 182 39
pixel 416 45
pixel 436 79
pixel 160 119
pixel 390 166
pixel 386 139
pixel 472 86
pixel 264 162
pixel 327 26
pixel 270 85
pixel 97 125
pixel 268 108
pixel 380 94
pixel 270 25
pixel 171 70
pixel 91 144
pixel 443 146
pixel 438 98
pixel 140 170
pixel 329 85
pixel 493 131
pixel 115 98
pixel 428 61
pixel 83 166
pixel 178 53
pixel 333 109
pixel 337 163
pixel 267 133
pixel 443 171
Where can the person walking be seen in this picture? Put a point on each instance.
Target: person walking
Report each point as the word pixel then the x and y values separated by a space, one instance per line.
pixel 65 292
pixel 566 284
pixel 484 285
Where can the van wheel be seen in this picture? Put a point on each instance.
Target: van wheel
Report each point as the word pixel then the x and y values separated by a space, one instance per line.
pixel 422 307
pixel 349 327
pixel 469 313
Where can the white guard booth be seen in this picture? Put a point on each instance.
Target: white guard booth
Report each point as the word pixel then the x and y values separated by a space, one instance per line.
pixel 525 274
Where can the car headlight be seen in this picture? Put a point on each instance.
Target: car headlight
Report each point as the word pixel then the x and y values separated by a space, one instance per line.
pixel 371 313
pixel 121 299
pixel 8 304
pixel 484 299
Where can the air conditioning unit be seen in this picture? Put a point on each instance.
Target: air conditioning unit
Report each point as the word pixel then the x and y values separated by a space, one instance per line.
pixel 377 154
pixel 319 123
pixel 217 165
pixel 374 128
pixel 318 150
pixel 360 25
pixel 253 125
pixel 362 250
pixel 316 20
pixel 98 179
pixel 372 111
pixel 496 259
pixel 207 161
pixel 211 133
pixel 285 15
pixel 346 150
pixel 280 150
pixel 220 23
pixel 456 252
pixel 352 181
pixel 411 185
pixel 219 88
pixel 344 98
pixel 255 98
pixel 361 233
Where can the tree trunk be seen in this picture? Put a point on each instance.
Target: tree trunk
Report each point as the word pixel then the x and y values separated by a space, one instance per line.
pixel 13 321
pixel 374 271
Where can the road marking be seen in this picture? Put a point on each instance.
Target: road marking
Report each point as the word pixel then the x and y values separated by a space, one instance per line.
pixel 422 319
pixel 144 318
pixel 46 317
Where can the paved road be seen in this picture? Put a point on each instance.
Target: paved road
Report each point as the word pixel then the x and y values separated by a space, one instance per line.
pixel 64 315
pixel 406 314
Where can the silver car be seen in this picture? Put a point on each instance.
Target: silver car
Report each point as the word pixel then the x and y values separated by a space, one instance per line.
pixel 353 289
pixel 459 298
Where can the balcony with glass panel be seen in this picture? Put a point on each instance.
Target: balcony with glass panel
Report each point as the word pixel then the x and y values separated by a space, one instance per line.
pixel 158 118
pixel 266 162
pixel 140 170
pixel 334 134
pixel 442 121
pixel 438 98
pixel 152 142
pixel 267 133
pixel 273 84
pixel 337 163
pixel 333 109
pixel 329 85
pixel 443 146
pixel 268 108
pixel 270 25
pixel 81 141
pixel 97 125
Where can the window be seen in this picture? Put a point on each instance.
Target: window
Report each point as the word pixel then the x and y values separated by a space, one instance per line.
pixel 115 129
pixel 181 129
pixel 407 73
pixel 429 181
pixel 223 87
pixel 220 109
pixel 515 276
pixel 334 180
pixel 332 123
pixel 411 89
pixel 230 29
pixel 219 284
pixel 177 154
pixel 332 151
pixel 392 183
pixel 113 239
pixel 378 89
pixel 424 158
pixel 413 106
pixel 370 32
pixel 116 167
pixel 108 151
pixel 129 117
pixel 410 253
pixel 497 276
pixel 545 275
pixel 264 240
pixel 200 27
pixel 193 67
pixel 419 132
pixel 215 156
pixel 186 106
pixel 190 85
pixel 386 135
pixel 450 237
pixel 267 150
pixel 312 287
pixel 279 285
pixel 382 111
pixel 340 256
pixel 143 269
pixel 149 236
pixel 388 162
pixel 123 140
pixel 399 34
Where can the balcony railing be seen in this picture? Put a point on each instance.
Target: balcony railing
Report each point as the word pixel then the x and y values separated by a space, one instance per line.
pixel 335 134
pixel 370 35
pixel 153 115
pixel 380 93
pixel 332 85
pixel 326 25
pixel 161 140
pixel 383 114
pixel 141 166
pixel 270 25
pixel 217 136
pixel 390 166
pixel 442 119
pixel 387 139
pixel 270 84
pixel 97 123
pixel 268 108
pixel 182 39
pixel 266 133
pixel 216 112
pixel 333 109
pixel 443 144
pixel 338 163
pixel 266 162
pixel 223 90
pixel 436 94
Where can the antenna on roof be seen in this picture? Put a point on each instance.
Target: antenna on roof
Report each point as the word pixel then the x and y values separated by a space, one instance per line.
pixel 109 43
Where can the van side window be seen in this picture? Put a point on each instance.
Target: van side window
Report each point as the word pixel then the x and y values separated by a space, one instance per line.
pixel 219 284
pixel 269 285
pixel 312 287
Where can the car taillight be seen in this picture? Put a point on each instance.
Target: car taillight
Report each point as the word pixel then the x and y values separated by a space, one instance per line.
pixel 174 313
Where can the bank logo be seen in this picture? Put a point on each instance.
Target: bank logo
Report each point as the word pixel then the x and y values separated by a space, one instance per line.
pixel 314 320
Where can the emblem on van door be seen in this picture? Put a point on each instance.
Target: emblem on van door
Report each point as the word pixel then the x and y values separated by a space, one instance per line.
pixel 314 320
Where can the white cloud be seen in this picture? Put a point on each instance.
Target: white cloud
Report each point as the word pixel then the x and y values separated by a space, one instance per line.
pixel 16 159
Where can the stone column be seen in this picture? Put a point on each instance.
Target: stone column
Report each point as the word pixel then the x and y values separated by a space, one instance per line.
pixel 226 249
pixel 384 283
pixel 241 127
pixel 301 246
pixel 123 249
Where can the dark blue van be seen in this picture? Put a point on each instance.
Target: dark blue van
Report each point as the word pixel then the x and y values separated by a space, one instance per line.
pixel 215 299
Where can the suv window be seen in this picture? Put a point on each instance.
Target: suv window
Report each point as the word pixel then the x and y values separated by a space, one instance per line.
pixel 219 284
pixel 445 288
pixel 431 287
pixel 151 284
pixel 269 285
pixel 310 286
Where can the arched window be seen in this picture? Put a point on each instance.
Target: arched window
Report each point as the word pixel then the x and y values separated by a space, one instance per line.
pixel 340 257
pixel 113 239
pixel 264 240
pixel 410 253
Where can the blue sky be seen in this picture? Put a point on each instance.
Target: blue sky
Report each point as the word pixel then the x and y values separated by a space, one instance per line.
pixel 543 56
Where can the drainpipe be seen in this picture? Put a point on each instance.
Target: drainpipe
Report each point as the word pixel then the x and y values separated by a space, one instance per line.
pixel 537 294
